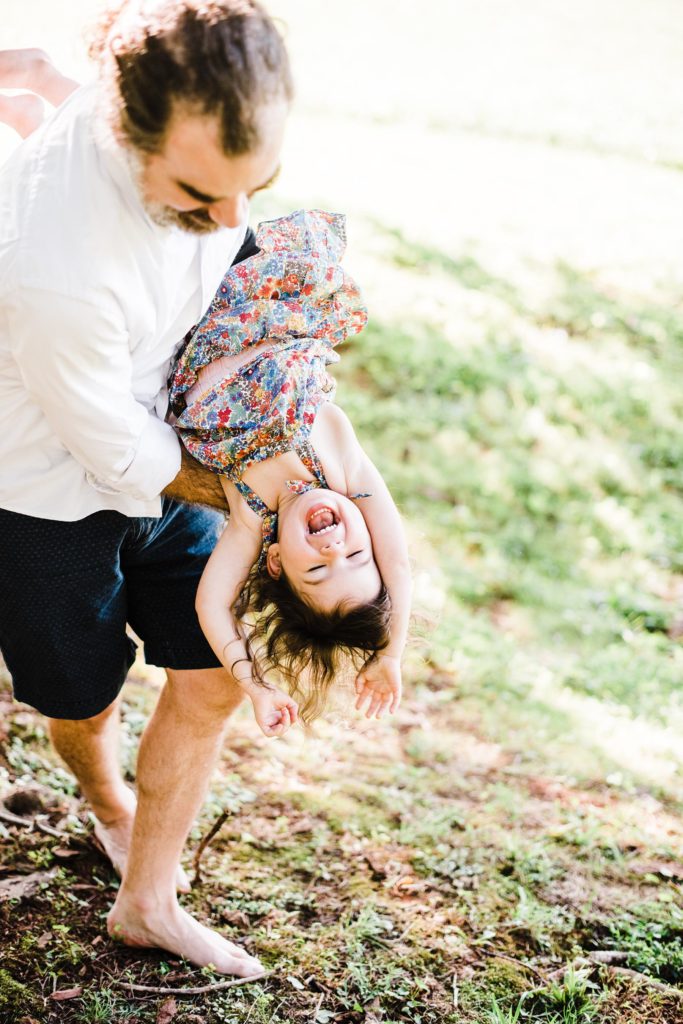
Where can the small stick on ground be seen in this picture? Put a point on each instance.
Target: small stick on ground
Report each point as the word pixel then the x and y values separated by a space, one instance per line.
pixel 14 819
pixel 215 986
pixel 598 962
pixel 514 960
pixel 211 834
pixel 34 823
pixel 607 956
pixel 42 826
pixel 644 979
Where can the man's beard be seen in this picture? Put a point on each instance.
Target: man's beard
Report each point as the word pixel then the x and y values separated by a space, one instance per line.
pixel 194 222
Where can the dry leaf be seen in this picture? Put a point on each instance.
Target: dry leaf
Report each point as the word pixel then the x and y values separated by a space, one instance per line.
pixel 239 918
pixel 19 887
pixel 167 1011
pixel 668 869
pixel 409 885
pixel 66 993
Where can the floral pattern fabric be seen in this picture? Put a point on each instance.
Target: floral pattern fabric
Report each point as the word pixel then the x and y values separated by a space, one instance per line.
pixel 295 296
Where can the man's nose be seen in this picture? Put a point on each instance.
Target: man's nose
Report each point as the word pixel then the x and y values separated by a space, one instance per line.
pixel 229 212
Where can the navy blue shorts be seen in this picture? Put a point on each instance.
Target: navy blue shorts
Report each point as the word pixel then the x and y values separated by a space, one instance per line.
pixel 67 591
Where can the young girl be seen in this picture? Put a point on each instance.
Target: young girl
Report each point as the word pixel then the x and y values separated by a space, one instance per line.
pixel 30 69
pixel 312 565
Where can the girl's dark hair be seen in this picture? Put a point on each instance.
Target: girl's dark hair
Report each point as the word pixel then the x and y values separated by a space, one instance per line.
pixel 224 58
pixel 306 646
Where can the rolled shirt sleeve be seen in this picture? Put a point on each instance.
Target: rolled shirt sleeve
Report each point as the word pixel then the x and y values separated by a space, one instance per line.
pixel 76 364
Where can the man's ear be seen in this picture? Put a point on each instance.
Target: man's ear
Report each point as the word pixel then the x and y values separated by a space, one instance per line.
pixel 273 561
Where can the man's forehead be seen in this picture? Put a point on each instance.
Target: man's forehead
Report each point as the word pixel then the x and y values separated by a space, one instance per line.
pixel 193 155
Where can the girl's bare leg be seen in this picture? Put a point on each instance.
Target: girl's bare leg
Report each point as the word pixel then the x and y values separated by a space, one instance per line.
pixel 33 70
pixel 23 113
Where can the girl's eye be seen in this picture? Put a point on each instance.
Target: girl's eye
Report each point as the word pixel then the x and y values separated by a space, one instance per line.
pixel 354 553
pixel 314 567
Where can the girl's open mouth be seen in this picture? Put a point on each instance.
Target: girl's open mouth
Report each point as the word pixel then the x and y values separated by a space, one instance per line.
pixel 321 519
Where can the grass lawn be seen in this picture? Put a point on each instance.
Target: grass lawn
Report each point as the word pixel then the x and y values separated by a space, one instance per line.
pixel 508 848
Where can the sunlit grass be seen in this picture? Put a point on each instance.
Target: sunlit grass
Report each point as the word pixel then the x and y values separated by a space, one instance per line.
pixel 518 241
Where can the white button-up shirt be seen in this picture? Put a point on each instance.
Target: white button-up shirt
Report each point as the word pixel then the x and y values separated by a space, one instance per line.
pixel 94 300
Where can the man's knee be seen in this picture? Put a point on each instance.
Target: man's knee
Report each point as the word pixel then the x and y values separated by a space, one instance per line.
pixel 208 694
pixel 96 724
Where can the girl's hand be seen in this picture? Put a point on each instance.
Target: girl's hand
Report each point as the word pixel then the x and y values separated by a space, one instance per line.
pixel 379 683
pixel 274 711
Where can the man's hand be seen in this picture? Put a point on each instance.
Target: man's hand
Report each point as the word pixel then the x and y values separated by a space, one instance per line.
pixel 274 710
pixel 196 485
pixel 379 684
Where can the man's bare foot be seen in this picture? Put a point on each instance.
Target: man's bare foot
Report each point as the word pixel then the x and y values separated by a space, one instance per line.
pixel 23 113
pixel 115 837
pixel 177 932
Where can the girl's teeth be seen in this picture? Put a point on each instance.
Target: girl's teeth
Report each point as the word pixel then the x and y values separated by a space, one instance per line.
pixel 322 519
pixel 325 529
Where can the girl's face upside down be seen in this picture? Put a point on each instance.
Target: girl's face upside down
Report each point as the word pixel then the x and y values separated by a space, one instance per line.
pixel 325 550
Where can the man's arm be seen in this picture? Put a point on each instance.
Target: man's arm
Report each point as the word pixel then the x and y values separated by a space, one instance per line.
pixel 196 485
pixel 75 362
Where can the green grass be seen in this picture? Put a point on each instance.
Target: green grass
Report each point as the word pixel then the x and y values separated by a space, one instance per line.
pixel 519 386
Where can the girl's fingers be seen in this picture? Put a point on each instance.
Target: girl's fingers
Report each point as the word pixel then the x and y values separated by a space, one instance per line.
pixel 374 704
pixel 384 706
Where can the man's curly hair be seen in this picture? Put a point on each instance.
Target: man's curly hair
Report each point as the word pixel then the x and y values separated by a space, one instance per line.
pixel 308 648
pixel 222 58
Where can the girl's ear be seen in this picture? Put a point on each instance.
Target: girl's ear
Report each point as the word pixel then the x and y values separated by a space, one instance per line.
pixel 273 561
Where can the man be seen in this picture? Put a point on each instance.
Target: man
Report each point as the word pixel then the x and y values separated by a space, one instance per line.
pixel 119 217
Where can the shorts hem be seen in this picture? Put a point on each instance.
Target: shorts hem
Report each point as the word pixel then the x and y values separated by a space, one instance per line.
pixel 67 710
pixel 180 658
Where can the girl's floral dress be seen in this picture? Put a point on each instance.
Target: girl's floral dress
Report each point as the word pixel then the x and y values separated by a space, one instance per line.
pixel 294 295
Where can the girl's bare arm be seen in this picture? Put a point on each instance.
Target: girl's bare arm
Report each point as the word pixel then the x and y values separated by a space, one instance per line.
pixel 223 578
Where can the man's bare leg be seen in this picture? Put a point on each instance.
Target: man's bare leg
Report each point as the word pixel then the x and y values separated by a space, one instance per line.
pixel 90 748
pixel 177 753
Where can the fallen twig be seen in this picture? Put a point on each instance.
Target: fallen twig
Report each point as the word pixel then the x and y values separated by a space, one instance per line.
pixel 34 823
pixel 514 960
pixel 42 826
pixel 607 956
pixel 215 986
pixel 598 959
pixel 14 819
pixel 645 979
pixel 213 831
